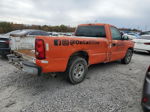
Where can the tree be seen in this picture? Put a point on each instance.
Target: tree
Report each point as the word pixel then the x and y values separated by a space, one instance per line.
pixel 7 27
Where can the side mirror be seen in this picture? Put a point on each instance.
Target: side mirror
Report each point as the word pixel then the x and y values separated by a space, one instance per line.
pixel 121 33
pixel 125 37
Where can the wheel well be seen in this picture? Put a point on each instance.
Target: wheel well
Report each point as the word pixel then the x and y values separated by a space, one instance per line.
pixel 131 49
pixel 82 54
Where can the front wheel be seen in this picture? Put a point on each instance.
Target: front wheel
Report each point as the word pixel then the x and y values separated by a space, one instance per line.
pixel 77 70
pixel 128 57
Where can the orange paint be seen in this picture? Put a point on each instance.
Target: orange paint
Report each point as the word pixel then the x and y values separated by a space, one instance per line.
pixel 98 49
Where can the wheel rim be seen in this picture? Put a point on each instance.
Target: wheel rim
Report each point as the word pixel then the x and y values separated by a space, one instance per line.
pixel 129 55
pixel 78 71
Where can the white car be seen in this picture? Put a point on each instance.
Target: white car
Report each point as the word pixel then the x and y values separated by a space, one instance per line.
pixel 142 43
pixel 131 35
pixel 145 33
pixel 55 34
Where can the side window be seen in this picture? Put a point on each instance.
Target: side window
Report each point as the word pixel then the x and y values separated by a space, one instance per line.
pixel 116 35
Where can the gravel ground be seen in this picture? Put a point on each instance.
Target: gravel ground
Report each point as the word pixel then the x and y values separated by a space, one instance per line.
pixel 111 87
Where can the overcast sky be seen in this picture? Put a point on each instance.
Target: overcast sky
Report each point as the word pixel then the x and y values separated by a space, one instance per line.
pixel 122 13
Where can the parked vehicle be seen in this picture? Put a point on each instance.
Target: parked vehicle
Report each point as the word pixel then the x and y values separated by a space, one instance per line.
pixel 146 92
pixel 142 43
pixel 92 43
pixel 132 35
pixel 25 39
pixel 50 33
pixel 145 33
pixel 68 34
pixel 4 43
pixel 135 35
pixel 55 34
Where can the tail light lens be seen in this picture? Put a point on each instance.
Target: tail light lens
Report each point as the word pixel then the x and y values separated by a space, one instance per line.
pixel 39 49
pixel 147 43
pixel 145 100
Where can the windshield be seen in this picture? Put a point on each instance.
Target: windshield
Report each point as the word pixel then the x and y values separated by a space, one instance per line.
pixel 145 37
pixel 91 31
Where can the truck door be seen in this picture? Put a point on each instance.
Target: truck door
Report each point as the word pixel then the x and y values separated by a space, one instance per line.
pixel 117 46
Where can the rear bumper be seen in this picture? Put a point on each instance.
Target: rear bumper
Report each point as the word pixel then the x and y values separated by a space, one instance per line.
pixel 31 68
pixel 146 94
pixel 4 51
pixel 145 108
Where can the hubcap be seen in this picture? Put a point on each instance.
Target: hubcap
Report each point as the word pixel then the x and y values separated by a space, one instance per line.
pixel 129 55
pixel 78 71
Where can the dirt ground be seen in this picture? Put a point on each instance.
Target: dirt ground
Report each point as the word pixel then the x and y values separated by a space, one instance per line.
pixel 111 87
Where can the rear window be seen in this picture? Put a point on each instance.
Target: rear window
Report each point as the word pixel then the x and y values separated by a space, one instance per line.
pixel 91 31
pixel 145 37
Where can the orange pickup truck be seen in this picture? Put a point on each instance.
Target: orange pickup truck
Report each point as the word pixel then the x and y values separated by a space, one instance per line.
pixel 91 44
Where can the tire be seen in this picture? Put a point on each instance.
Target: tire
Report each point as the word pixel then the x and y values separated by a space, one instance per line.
pixel 145 110
pixel 76 70
pixel 128 57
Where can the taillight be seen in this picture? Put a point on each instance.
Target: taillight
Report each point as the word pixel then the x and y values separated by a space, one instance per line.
pixel 147 43
pixel 39 49
pixel 145 100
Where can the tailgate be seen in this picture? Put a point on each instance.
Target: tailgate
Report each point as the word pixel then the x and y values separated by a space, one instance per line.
pixel 23 47
pixel 26 54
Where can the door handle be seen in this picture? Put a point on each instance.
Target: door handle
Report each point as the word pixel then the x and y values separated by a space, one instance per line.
pixel 113 44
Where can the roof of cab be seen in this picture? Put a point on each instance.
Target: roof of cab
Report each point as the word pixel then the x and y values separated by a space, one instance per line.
pixel 93 24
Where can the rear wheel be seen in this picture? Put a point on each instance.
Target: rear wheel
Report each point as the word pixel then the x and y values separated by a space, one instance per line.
pixel 145 110
pixel 128 57
pixel 76 70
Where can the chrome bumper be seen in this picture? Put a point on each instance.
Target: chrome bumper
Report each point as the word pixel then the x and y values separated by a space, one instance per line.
pixel 31 68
